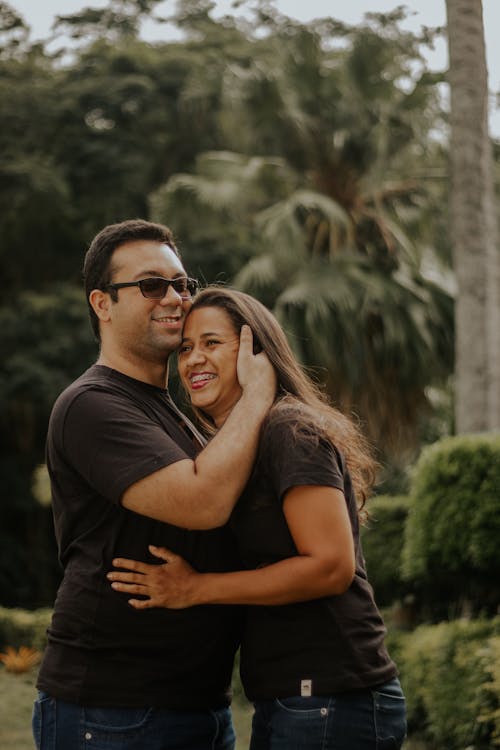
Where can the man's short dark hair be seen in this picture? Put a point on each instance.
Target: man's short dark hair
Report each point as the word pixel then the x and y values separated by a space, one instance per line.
pixel 97 263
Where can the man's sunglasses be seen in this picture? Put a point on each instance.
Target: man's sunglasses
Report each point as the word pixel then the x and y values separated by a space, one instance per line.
pixel 155 287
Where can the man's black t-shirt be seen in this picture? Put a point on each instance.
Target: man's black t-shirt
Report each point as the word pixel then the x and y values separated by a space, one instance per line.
pixel 106 432
pixel 328 645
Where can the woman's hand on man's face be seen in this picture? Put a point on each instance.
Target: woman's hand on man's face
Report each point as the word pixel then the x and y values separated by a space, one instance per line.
pixel 171 584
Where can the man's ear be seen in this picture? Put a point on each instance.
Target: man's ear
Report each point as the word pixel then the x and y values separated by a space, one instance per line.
pixel 101 304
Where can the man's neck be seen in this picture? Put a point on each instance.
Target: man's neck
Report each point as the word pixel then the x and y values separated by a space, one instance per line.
pixel 153 373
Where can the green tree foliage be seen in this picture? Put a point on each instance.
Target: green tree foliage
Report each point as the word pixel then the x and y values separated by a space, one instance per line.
pixel 35 210
pixel 382 540
pixel 222 239
pixel 333 209
pixel 448 674
pixel 87 137
pixel 13 30
pixel 451 548
pixel 44 349
pixel 120 19
pixel 46 342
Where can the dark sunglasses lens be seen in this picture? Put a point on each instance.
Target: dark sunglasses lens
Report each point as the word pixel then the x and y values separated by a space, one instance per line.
pixel 180 286
pixel 185 287
pixel 154 287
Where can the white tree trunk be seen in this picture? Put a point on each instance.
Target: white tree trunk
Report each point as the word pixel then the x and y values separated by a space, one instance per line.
pixel 473 224
pixel 493 306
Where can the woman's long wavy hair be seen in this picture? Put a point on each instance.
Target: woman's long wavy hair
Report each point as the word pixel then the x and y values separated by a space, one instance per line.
pixel 298 399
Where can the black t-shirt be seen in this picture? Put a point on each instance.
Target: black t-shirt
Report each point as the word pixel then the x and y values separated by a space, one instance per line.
pixel 327 645
pixel 106 432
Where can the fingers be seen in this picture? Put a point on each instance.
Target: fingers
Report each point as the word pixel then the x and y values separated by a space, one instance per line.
pixel 124 577
pixel 245 355
pixel 246 343
pixel 246 337
pixel 151 581
pixel 129 588
pixel 255 372
pixel 163 553
pixel 141 603
pixel 140 567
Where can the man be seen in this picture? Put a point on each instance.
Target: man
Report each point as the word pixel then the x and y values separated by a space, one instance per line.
pixel 127 471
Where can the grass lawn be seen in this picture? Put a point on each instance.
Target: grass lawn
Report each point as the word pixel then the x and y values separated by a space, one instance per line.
pixel 242 718
pixel 17 693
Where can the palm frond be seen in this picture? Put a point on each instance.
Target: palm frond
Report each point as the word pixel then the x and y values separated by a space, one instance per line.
pixel 283 224
pixel 260 273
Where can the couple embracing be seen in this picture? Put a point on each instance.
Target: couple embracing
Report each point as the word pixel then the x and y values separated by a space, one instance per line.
pixel 182 542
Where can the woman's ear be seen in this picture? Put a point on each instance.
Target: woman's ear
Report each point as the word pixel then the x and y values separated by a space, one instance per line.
pixel 101 304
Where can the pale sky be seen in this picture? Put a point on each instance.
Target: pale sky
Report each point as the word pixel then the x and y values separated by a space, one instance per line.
pixel 40 14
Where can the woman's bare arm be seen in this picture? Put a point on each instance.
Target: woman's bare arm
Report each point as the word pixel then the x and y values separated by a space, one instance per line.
pixel 319 523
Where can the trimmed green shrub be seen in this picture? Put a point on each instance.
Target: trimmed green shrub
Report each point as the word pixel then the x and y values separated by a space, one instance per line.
pixel 450 675
pixel 21 627
pixel 382 540
pixel 490 713
pixel 453 529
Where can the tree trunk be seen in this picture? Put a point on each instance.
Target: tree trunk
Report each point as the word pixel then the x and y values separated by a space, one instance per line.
pixel 473 224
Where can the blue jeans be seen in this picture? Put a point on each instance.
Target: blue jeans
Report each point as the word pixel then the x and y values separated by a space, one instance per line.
pixel 358 720
pixel 65 726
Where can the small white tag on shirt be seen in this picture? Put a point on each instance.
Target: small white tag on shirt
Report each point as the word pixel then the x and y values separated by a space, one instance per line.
pixel 306 688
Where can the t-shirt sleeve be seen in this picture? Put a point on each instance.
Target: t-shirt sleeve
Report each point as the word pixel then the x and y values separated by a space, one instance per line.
pixel 296 460
pixel 112 444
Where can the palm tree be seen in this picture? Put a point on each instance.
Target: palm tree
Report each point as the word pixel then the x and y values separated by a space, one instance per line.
pixel 327 206
pixel 473 224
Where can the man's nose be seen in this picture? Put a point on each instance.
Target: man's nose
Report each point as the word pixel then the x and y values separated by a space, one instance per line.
pixel 171 297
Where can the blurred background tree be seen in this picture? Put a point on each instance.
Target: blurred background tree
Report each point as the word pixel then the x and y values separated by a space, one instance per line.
pixel 330 193
pixel 45 343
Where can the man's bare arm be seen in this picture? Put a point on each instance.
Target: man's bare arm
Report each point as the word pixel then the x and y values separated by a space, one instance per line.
pixel 201 493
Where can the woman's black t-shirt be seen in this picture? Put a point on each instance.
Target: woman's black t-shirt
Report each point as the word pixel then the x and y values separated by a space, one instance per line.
pixel 323 646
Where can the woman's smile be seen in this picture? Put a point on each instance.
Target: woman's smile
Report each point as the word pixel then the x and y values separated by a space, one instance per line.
pixel 200 379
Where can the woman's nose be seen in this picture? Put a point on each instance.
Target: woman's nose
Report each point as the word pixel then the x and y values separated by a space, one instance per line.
pixel 195 356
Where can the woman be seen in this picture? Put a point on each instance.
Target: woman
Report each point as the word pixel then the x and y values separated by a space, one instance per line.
pixel 313 658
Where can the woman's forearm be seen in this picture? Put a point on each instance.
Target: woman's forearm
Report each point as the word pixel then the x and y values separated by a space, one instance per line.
pixel 323 566
pixel 295 579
